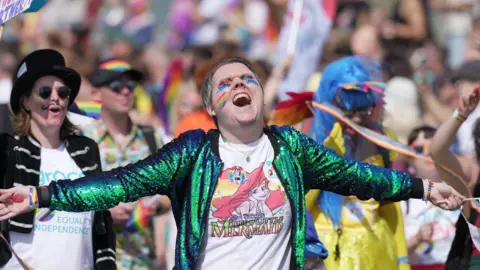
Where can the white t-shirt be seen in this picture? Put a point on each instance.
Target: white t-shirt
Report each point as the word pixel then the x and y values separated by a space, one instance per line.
pixel 250 218
pixel 420 213
pixel 61 240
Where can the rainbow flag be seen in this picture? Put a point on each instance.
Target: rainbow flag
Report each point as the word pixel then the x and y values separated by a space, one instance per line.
pixel 292 111
pixel 312 32
pixel 171 89
pixel 140 217
pixel 90 108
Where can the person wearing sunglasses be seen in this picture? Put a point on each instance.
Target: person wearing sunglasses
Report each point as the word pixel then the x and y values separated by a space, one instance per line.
pixel 121 141
pixel 428 229
pixel 44 148
pixel 359 234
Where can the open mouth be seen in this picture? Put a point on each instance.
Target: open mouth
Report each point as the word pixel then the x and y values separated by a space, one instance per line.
pixel 54 109
pixel 242 99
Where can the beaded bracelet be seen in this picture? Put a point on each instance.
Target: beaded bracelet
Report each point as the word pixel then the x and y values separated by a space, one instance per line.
pixel 33 198
pixel 429 191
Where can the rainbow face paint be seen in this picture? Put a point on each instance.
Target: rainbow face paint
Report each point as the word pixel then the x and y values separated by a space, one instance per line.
pixel 222 100
pixel 224 85
pixel 39 99
pixel 249 80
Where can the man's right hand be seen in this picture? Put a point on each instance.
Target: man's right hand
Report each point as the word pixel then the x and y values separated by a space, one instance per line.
pixel 121 213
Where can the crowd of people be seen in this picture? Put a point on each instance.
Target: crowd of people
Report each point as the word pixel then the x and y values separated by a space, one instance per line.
pixel 210 146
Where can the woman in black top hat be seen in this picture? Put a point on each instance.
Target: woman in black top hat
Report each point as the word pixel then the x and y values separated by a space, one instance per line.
pixel 45 148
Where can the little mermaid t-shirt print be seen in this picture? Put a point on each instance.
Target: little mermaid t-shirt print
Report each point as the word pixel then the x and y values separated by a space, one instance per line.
pixel 249 223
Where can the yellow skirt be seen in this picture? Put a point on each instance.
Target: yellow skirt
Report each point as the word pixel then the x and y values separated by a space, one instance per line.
pixel 361 249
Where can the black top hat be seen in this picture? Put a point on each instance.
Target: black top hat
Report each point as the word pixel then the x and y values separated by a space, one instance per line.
pixel 111 70
pixel 36 65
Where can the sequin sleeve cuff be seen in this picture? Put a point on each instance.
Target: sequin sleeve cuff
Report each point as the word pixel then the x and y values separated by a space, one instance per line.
pixel 43 196
pixel 417 188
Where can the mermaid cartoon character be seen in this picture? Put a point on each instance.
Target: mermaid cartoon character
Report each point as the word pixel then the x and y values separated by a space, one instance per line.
pixel 237 174
pixel 253 199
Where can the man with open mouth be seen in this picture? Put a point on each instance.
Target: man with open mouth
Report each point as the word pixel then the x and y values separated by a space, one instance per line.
pixel 238 192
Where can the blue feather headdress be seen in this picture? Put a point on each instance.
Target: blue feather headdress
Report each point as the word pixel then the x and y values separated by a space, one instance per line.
pixel 350 83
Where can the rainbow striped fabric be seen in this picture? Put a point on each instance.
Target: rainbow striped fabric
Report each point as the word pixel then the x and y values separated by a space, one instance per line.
pixel 139 219
pixel 116 65
pixel 366 86
pixel 171 88
pixel 90 108
pixel 292 111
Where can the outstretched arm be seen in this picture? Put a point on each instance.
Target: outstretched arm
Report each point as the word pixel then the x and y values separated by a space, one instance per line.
pixel 324 169
pixel 150 176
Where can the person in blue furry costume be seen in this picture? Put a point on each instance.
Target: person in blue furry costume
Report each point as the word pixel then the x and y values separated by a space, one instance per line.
pixel 359 234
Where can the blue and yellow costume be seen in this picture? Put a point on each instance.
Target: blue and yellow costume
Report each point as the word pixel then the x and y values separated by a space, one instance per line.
pixel 358 234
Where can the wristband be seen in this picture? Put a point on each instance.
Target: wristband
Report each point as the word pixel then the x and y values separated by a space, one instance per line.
pixel 428 192
pixel 459 117
pixel 43 196
pixel 33 198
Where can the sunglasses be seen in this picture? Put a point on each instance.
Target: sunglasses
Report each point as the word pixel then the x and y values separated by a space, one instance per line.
pixel 362 112
pixel 46 91
pixel 117 86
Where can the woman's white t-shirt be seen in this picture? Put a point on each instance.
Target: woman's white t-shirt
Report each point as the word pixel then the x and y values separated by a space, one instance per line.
pixel 61 240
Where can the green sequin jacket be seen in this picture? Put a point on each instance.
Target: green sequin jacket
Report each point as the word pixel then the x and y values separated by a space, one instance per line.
pixel 187 170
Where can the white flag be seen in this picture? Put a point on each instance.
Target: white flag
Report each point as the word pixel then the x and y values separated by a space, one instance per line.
pixel 315 23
